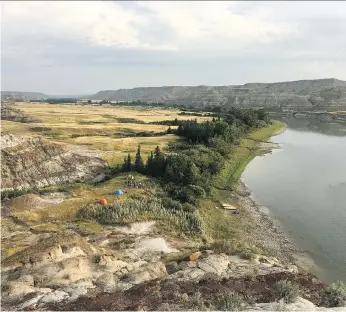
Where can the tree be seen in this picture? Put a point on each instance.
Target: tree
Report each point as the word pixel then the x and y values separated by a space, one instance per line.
pixel 128 163
pixel 180 130
pixel 139 165
pixel 124 167
pixel 149 166
pixel 169 130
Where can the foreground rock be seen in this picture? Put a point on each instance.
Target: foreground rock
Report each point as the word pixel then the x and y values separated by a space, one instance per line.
pixel 64 271
pixel 32 161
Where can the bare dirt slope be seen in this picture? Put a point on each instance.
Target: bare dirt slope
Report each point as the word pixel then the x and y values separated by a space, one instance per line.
pixel 28 162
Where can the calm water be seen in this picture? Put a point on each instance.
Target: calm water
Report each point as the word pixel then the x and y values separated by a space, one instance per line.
pixel 304 186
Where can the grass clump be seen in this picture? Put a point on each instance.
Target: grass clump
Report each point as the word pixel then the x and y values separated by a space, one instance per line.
pixel 124 212
pixel 287 290
pixel 231 302
pixel 335 295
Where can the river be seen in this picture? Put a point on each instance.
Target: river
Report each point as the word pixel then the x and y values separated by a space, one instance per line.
pixel 303 185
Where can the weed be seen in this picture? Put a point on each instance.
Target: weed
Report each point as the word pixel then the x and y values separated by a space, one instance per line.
pixel 134 210
pixel 287 290
pixel 231 302
pixel 335 295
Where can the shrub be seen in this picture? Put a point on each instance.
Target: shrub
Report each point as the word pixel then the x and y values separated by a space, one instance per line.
pixel 135 210
pixel 231 302
pixel 169 203
pixel 189 208
pixel 335 295
pixel 287 290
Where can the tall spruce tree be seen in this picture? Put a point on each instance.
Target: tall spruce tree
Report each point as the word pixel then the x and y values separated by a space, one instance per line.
pixel 128 163
pixel 139 165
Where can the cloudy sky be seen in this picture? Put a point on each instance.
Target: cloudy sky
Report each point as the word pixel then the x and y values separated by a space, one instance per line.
pixel 71 47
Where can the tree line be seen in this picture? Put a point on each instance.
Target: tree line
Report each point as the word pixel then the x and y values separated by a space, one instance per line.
pixel 186 173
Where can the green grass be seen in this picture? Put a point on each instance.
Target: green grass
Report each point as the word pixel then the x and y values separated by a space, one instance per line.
pixel 233 233
pixel 242 154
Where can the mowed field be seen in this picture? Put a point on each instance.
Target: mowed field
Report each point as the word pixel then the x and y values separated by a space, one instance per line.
pixel 98 128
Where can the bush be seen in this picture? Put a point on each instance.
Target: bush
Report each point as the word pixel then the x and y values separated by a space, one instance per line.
pixel 189 208
pixel 287 290
pixel 231 302
pixel 169 203
pixel 135 210
pixel 335 295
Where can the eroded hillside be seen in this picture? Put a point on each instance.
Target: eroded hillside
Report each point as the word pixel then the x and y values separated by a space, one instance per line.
pixel 28 162
pixel 322 94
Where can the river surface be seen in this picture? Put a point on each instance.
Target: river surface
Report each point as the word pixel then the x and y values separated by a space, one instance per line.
pixel 303 184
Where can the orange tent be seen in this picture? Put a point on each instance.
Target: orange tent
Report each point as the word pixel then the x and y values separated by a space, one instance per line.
pixel 102 201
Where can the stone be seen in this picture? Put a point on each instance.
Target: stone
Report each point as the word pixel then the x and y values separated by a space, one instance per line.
pixel 105 281
pixel 26 279
pixel 195 256
pixel 189 274
pixel 18 289
pixel 56 296
pixel 146 273
pixel 31 302
pixel 217 264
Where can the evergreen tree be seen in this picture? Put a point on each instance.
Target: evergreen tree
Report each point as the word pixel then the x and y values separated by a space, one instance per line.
pixel 128 163
pixel 180 130
pixel 214 119
pixel 139 165
pixel 124 167
pixel 149 166
pixel 169 130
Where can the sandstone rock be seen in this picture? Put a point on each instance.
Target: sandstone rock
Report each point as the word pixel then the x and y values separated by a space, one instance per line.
pixel 18 289
pixel 112 263
pixel 55 296
pixel 217 264
pixel 195 256
pixel 189 274
pixel 31 302
pixel 146 273
pixel 106 281
pixel 26 279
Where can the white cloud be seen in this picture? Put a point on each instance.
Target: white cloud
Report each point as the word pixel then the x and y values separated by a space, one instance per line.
pixel 112 25
pixel 97 22
pixel 204 21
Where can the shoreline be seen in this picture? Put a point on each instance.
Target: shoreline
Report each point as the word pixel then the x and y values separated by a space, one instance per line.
pixel 269 233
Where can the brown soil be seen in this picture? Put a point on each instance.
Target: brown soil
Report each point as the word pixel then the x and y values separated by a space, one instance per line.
pixel 159 295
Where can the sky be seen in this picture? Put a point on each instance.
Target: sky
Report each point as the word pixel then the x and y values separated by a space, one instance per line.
pixel 68 47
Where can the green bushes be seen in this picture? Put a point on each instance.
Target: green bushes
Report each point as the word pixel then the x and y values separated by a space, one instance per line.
pixel 7 194
pixel 287 290
pixel 335 295
pixel 135 210
pixel 231 302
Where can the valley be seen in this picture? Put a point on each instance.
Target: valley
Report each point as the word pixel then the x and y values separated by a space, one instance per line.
pixel 64 249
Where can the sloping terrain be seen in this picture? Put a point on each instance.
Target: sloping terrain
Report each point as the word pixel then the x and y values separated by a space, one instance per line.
pixel 27 162
pixel 12 114
pixel 322 94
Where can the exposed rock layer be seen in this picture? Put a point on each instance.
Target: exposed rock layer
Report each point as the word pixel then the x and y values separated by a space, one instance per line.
pixel 322 94
pixel 28 162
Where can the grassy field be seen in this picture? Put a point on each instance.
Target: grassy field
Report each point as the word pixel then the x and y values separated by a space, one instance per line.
pixel 98 128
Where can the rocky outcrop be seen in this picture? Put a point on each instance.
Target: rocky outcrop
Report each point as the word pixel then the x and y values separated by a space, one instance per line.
pixel 66 272
pixel 11 114
pixel 322 94
pixel 28 162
